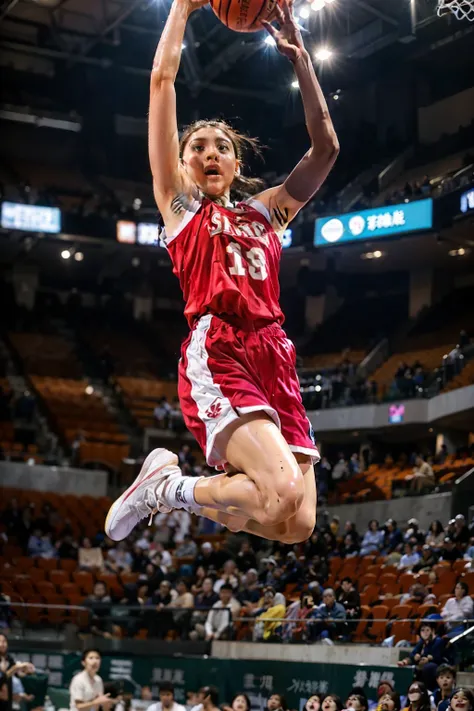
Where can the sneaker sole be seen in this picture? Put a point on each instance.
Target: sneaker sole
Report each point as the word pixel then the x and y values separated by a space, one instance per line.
pixel 171 460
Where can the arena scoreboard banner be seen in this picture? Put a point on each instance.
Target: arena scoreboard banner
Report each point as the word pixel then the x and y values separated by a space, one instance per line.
pixel 467 201
pixel 387 221
pixel 30 218
pixel 259 679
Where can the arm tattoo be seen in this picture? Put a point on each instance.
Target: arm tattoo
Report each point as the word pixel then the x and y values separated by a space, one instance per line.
pixel 279 215
pixel 181 203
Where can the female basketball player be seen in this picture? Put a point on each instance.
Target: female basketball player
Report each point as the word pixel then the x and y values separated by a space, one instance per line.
pixel 238 386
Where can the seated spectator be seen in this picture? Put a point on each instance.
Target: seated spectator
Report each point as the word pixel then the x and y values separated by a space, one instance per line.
pixel 373 539
pixel 219 620
pixel 246 558
pixel 249 594
pixel 357 702
pixel 423 478
pixel 469 554
pixel 410 557
pixel 35 544
pixel 229 576
pixel 119 559
pixel 416 595
pixel 461 532
pixel 166 702
pixel 348 549
pixel 446 680
pixel 162 412
pixel 5 612
pixel 67 548
pixel 90 559
pixel 393 537
pixel 427 560
pixel 341 469
pixel 389 701
pixel 457 609
pixel 296 614
pixel 99 604
pixel 270 615
pixel 184 601
pixel 349 598
pixel 188 547
pixel 160 620
pixel 417 697
pixel 461 700
pixel 332 702
pixel 426 655
pixel 327 618
pixel 449 551
pixel 435 536
pixel 207 597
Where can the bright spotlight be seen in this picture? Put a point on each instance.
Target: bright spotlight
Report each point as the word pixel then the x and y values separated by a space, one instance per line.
pixel 323 54
pixel 377 254
pixel 270 41
pixel 317 5
pixel 66 254
pixel 89 390
pixel 79 256
pixel 304 12
pixel 295 85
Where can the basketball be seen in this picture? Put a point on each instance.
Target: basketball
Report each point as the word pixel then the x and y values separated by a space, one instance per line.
pixel 244 15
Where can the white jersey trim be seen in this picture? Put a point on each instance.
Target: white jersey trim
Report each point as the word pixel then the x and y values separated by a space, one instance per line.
pixel 260 207
pixel 187 217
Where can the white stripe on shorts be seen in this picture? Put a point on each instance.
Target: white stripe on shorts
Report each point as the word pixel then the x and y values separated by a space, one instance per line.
pixel 214 410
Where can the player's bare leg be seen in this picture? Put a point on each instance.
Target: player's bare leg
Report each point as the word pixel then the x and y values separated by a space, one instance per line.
pixel 297 528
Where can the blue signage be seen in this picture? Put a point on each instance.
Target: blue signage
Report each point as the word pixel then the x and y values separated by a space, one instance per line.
pixel 31 218
pixel 467 201
pixel 371 224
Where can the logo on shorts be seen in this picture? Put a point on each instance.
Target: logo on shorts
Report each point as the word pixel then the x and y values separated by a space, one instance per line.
pixel 214 409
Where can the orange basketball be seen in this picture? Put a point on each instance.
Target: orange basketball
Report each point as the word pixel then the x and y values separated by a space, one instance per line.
pixel 244 15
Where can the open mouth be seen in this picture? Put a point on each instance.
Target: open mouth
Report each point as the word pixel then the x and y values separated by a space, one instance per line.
pixel 211 171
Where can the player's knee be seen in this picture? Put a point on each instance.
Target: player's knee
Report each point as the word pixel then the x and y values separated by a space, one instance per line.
pixel 283 497
pixel 301 527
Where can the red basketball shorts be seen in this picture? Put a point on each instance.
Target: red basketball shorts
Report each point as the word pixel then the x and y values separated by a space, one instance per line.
pixel 225 372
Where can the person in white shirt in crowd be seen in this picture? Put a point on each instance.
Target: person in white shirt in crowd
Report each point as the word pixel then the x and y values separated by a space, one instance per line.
pixel 410 557
pixel 166 702
pixel 219 622
pixel 87 688
pixel 178 522
pixel 457 609
pixel 229 576
pixel 341 469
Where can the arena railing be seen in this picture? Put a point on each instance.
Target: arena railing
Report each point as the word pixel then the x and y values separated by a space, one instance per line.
pixel 147 622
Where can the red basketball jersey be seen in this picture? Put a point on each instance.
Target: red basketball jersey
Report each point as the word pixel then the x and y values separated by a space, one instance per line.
pixel 227 261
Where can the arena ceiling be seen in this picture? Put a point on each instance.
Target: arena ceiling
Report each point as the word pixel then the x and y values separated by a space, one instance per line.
pixel 47 36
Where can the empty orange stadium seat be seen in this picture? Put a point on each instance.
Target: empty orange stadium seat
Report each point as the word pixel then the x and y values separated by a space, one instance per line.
pixel 47 563
pixel 377 624
pixel 401 612
pixel 59 577
pixel 406 580
pixel 85 581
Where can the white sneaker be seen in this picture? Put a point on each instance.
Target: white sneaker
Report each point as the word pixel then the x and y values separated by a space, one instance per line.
pixel 140 499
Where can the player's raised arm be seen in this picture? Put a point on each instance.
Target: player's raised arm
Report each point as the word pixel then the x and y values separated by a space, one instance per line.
pixel 163 139
pixel 306 178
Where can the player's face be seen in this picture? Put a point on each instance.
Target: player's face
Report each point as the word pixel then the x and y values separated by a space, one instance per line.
pixel 210 161
pixel 92 663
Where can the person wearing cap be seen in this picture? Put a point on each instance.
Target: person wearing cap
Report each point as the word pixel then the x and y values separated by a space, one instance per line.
pixel 205 557
pixel 427 561
pixel 461 532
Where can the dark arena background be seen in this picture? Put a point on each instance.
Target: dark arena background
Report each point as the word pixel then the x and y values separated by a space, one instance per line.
pixel 377 283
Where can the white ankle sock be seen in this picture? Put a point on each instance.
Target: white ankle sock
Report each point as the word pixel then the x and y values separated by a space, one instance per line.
pixel 179 493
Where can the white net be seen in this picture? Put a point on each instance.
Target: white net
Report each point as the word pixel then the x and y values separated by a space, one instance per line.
pixel 461 9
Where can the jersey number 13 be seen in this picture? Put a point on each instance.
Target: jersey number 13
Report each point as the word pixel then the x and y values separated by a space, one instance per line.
pixel 252 262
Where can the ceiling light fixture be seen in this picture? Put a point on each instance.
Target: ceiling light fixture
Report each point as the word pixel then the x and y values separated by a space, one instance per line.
pixel 66 254
pixel 323 54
